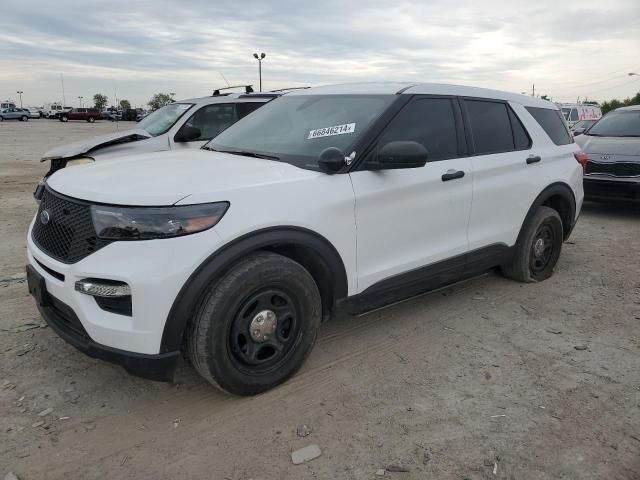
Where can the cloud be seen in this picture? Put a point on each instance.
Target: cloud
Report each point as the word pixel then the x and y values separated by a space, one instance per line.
pixel 138 48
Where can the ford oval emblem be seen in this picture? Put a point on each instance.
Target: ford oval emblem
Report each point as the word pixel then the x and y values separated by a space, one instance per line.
pixel 45 217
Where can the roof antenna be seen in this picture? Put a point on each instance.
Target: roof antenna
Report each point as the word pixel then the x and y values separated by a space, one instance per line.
pixel 225 80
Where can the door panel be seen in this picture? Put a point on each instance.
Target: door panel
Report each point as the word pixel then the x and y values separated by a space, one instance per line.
pixel 504 183
pixel 410 218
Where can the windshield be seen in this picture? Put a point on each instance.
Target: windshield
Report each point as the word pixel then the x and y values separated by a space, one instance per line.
pixel 296 128
pixel 618 124
pixel 164 118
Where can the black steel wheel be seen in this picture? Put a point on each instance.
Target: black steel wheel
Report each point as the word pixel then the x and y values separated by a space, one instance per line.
pixel 538 248
pixel 256 325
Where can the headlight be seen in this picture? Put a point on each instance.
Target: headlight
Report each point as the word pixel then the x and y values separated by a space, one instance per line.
pixel 146 223
pixel 79 161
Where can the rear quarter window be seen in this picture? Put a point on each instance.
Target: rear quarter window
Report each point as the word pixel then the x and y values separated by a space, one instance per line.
pixel 552 123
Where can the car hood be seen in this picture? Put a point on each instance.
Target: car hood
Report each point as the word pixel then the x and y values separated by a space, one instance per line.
pixel 623 146
pixel 166 178
pixel 83 147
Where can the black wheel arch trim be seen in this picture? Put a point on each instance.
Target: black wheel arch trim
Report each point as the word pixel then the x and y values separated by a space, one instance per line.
pixel 555 189
pixel 273 239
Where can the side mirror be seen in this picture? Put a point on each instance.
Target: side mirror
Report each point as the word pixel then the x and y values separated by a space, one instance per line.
pixel 578 131
pixel 331 160
pixel 187 133
pixel 399 154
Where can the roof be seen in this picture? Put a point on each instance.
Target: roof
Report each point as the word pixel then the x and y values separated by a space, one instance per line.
pixel 392 88
pixel 230 98
pixel 630 108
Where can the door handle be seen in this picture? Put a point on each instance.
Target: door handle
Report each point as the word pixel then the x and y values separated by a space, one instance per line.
pixel 533 159
pixel 452 175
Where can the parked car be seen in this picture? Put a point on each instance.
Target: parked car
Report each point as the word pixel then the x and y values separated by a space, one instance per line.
pixel 612 147
pixel 140 114
pixel 53 110
pixel 582 126
pixel 14 114
pixel 187 124
pixel 344 197
pixel 574 112
pixel 7 104
pixel 35 112
pixel 87 114
pixel 129 115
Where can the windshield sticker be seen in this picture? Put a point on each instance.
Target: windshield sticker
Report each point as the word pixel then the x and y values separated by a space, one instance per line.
pixel 331 131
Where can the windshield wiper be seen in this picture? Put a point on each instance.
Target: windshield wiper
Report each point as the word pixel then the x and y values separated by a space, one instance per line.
pixel 245 153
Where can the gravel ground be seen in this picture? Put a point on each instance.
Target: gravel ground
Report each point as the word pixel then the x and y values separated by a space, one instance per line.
pixel 487 379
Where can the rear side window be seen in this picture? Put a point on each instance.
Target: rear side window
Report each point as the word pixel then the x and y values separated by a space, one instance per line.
pixel 552 123
pixel 245 109
pixel 490 126
pixel 429 121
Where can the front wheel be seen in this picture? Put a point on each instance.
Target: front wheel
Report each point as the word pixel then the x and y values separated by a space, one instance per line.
pixel 256 325
pixel 24 118
pixel 64 118
pixel 91 119
pixel 538 251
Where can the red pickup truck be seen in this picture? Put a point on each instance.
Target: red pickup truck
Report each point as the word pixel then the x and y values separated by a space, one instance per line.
pixel 88 114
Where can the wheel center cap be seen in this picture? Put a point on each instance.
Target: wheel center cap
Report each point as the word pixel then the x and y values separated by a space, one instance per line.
pixel 263 326
pixel 538 247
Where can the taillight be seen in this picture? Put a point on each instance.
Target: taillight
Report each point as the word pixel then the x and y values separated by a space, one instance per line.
pixel 582 159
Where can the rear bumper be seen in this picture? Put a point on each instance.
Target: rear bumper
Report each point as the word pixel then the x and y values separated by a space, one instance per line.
pixel 612 189
pixel 63 320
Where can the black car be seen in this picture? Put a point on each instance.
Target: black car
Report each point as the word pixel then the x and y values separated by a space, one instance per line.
pixel 613 151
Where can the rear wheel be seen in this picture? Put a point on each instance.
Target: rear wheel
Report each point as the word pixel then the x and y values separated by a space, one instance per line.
pixel 538 250
pixel 24 118
pixel 91 119
pixel 64 118
pixel 256 325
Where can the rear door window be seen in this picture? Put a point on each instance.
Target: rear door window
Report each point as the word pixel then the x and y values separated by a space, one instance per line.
pixel 552 123
pixel 490 126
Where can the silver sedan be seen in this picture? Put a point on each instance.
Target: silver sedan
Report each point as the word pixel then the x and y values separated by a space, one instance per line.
pixel 14 114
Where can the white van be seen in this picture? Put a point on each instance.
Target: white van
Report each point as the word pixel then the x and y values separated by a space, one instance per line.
pixel 575 112
pixel 52 110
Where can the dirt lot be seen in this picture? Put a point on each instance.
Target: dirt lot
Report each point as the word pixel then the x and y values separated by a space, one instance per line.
pixel 482 380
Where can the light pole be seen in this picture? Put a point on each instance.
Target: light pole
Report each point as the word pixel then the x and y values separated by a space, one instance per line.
pixel 259 58
pixel 20 92
pixel 80 98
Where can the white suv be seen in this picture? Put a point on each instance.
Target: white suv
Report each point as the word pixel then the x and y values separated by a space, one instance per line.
pixel 348 196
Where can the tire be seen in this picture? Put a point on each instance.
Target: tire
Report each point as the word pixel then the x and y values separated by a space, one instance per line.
pixel 538 249
pixel 91 119
pixel 24 118
pixel 64 118
pixel 220 344
pixel 1 119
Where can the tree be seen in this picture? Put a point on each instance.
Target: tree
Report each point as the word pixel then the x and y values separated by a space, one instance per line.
pixel 100 100
pixel 124 104
pixel 159 100
pixel 615 103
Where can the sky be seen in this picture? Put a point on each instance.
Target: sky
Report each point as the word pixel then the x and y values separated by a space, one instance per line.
pixel 132 49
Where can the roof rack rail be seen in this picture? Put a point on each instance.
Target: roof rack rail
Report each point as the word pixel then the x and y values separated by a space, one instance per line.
pixel 260 95
pixel 290 88
pixel 247 89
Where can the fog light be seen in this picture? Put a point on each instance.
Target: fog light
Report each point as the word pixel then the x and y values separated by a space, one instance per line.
pixel 103 288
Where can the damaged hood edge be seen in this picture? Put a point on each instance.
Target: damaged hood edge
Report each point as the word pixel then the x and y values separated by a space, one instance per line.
pixel 83 147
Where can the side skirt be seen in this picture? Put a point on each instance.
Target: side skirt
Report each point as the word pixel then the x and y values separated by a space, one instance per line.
pixel 427 279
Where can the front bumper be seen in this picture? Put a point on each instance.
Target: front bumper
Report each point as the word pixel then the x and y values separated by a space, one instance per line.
pixel 155 270
pixel 608 188
pixel 63 320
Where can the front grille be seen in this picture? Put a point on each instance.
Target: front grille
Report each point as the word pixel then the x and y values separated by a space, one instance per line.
pixel 67 234
pixel 617 169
